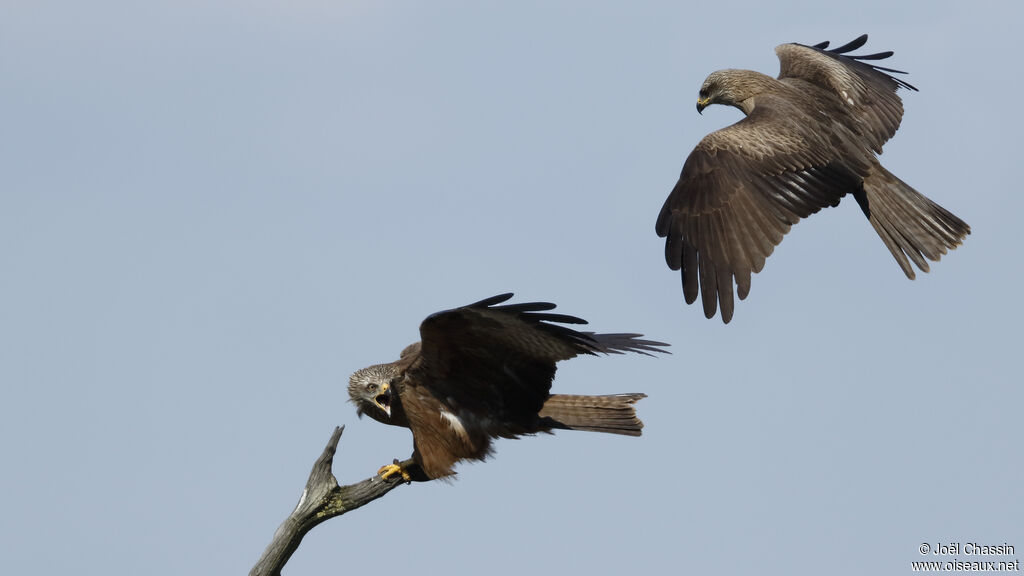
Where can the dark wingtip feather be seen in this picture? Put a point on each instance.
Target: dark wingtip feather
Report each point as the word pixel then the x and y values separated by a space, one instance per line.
pixel 536 314
pixel 491 301
pixel 560 318
pixel 841 52
pixel 528 307
pixel 877 56
pixel 626 342
pixel 851 45
pixel 585 342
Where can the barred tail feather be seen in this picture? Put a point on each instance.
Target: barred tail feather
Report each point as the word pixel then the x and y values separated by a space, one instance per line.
pixel 612 414
pixel 912 227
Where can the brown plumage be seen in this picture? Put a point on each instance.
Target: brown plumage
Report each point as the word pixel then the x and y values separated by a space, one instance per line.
pixel 484 371
pixel 809 138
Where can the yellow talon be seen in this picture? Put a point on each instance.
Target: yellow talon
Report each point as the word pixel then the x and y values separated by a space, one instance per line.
pixel 386 472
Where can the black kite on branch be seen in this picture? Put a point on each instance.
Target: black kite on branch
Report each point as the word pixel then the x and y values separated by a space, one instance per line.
pixel 484 371
pixel 809 138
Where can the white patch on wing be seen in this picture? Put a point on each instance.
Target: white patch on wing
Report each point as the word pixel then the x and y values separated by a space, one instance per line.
pixel 455 423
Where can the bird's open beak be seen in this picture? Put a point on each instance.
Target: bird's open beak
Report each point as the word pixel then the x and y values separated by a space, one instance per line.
pixel 383 400
pixel 702 104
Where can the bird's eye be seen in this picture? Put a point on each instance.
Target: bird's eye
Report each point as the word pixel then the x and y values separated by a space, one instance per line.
pixel 703 93
pixel 371 387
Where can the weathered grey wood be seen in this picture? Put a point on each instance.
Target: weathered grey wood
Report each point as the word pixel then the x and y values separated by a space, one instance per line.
pixel 322 500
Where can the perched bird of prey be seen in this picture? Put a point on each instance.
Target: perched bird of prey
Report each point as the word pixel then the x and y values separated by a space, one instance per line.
pixel 484 371
pixel 809 138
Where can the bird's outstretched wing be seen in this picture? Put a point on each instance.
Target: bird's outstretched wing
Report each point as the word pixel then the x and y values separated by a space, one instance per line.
pixel 869 91
pixel 740 191
pixel 499 360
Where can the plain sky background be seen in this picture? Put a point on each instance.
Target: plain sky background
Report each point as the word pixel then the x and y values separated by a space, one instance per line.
pixel 211 213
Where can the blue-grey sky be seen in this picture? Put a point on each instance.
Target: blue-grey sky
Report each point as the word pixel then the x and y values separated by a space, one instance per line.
pixel 211 213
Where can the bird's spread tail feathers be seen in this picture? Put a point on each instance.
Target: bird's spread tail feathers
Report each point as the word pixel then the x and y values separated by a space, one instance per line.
pixel 613 414
pixel 912 227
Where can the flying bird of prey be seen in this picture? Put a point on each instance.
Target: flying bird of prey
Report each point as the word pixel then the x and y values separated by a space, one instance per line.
pixel 484 371
pixel 809 138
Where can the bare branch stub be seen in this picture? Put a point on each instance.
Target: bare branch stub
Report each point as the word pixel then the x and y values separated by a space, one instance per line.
pixel 321 500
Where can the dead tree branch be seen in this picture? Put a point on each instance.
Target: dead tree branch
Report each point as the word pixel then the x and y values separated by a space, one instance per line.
pixel 322 500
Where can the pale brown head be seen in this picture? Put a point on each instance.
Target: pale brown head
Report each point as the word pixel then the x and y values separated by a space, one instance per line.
pixel 372 390
pixel 733 87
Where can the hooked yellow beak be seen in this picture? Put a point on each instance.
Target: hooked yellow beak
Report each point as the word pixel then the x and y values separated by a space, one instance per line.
pixel 383 399
pixel 702 103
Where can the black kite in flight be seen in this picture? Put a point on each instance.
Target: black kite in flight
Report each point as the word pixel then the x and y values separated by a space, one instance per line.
pixel 484 371
pixel 809 138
